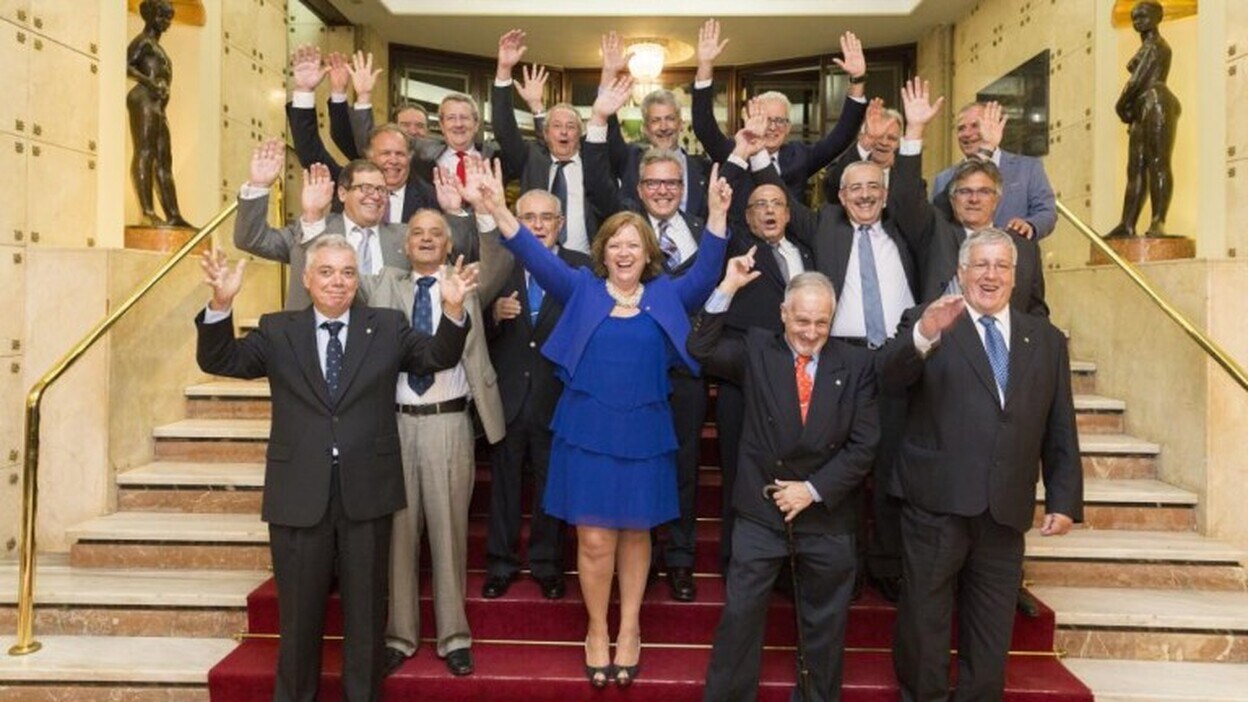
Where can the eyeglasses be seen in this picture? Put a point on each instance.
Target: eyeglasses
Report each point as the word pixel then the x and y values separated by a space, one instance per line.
pixel 982 267
pixel 664 119
pixel 456 119
pixel 764 204
pixel 531 218
pixel 370 190
pixel 967 192
pixel 662 183
pixel 855 188
pixel 777 121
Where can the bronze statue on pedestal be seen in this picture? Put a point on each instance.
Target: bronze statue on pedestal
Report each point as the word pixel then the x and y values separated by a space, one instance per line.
pixel 150 67
pixel 1151 112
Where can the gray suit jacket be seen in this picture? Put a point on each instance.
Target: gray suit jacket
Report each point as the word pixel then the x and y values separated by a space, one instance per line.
pixel 394 289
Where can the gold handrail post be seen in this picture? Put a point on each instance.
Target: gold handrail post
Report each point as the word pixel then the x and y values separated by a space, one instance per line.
pixel 1210 347
pixel 30 467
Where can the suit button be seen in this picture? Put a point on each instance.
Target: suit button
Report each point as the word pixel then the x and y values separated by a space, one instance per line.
pixel 532 344
pixel 779 464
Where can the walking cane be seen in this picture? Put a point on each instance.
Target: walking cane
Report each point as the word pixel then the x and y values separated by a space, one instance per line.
pixel 803 672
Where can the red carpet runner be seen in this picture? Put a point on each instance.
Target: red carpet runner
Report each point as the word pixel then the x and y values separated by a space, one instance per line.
pixel 528 648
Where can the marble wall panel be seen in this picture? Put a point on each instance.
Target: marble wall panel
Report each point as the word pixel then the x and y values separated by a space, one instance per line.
pixel 63 197
pixel 14 153
pixel 77 27
pixel 17 11
pixel 10 511
pixel 12 301
pixel 15 44
pixel 64 109
pixel 240 22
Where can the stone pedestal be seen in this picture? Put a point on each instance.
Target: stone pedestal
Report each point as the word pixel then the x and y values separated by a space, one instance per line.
pixel 1139 249
pixel 163 239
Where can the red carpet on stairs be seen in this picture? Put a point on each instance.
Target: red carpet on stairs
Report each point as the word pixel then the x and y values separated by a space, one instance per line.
pixel 528 648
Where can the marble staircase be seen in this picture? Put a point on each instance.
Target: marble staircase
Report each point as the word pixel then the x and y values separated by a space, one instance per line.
pixel 166 577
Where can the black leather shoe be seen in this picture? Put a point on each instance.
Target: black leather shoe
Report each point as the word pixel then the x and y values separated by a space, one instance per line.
pixel 1028 605
pixel 459 662
pixel 495 586
pixel 553 587
pixel 889 587
pixel 680 580
pixel 392 661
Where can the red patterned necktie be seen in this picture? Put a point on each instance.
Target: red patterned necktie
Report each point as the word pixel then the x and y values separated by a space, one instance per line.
pixel 804 385
pixel 460 172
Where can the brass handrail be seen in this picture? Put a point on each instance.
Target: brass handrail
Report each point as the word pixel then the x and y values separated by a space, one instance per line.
pixel 30 471
pixel 1209 346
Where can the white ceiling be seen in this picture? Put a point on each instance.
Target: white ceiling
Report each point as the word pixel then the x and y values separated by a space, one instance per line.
pixel 566 33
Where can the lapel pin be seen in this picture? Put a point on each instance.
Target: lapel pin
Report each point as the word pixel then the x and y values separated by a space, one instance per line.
pixel 838 381
pixel 1026 339
pixel 368 330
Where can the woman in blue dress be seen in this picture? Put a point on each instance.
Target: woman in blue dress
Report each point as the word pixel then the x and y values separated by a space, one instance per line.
pixel 613 459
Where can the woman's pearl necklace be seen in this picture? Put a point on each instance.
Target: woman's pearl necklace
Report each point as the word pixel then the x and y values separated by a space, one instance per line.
pixel 628 301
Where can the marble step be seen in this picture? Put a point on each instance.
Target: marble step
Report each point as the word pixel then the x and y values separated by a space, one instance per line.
pixel 181 486
pixel 1149 624
pixel 130 602
pixel 171 541
pixel 1135 559
pixel 1132 503
pixel 1151 681
pixel 113 668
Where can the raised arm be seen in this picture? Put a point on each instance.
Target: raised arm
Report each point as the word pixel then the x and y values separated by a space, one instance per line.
pixel 694 286
pixel 718 145
pixel 907 201
pixel 307 72
pixel 251 230
pixel 217 351
pixel 512 148
pixel 845 133
pixel 601 187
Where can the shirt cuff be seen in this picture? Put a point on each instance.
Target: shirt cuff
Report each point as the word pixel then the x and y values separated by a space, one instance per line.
pixel 861 99
pixel 718 302
pixel 922 344
pixel 733 158
pixel 311 230
pixel 596 133
pixel 813 492
pixel 337 97
pixel 760 161
pixel 699 84
pixel 910 147
pixel 303 100
pixel 485 223
pixel 363 105
pixel 212 316
pixel 502 83
pixel 251 192
pixel 463 318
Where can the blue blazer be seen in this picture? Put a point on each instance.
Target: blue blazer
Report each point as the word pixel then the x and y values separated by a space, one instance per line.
pixel 1026 193
pixel 669 301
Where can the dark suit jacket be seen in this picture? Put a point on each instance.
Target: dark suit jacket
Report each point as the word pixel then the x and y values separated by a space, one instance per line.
pixel 962 452
pixel 307 423
pixel 798 160
pixel 669 300
pixel 515 347
pixel 833 449
pixel 308 146
pixel 944 236
pixel 1026 193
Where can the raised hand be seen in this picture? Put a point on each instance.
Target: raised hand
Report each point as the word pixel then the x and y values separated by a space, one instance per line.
pixel 614 58
pixel 992 121
pixel 450 200
pixel 709 49
pixel 940 315
pixel 224 280
pixel 510 48
pixel 533 88
pixel 455 287
pixel 611 98
pixel 306 71
pixel 875 123
pixel 318 192
pixel 718 199
pixel 267 161
pixel 749 138
pixel 918 107
pixel 339 73
pixel 363 76
pixel 506 308
pixel 854 63
pixel 739 272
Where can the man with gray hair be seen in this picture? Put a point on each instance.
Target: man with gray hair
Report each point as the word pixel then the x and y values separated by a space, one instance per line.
pixel 877 141
pixel 811 426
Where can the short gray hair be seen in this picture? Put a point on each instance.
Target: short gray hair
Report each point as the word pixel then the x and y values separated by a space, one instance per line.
pixel 807 280
pixel 656 155
pixel 662 96
pixel 775 96
pixel 538 193
pixel 858 165
pixel 988 236
pixel 892 116
pixel 329 241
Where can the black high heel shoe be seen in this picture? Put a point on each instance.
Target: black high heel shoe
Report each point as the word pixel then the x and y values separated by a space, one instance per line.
pixel 599 675
pixel 626 674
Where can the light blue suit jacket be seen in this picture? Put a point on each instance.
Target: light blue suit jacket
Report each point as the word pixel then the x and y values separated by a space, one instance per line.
pixel 1027 193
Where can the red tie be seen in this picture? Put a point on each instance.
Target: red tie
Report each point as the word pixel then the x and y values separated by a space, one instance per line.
pixel 804 386
pixel 460 172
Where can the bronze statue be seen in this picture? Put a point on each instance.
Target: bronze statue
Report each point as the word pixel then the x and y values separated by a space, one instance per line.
pixel 1151 112
pixel 150 67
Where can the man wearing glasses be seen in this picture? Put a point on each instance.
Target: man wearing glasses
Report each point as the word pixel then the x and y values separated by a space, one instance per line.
pixel 361 189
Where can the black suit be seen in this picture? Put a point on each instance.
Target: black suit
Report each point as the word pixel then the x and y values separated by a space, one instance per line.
pixel 310 149
pixel 943 237
pixel 697 171
pixel 688 390
pixel 832 450
pixel 320 509
pixel 798 160
pixel 967 470
pixel 529 388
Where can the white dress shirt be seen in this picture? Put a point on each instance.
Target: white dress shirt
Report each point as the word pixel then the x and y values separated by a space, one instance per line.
pixel 449 384
pixel 894 289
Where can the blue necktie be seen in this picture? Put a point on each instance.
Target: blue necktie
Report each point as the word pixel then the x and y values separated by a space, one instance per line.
pixel 422 321
pixel 559 188
pixel 333 358
pixel 667 244
pixel 872 303
pixel 535 300
pixel 998 354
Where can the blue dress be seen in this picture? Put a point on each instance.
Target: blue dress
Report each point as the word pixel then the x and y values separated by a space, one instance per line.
pixel 613 457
